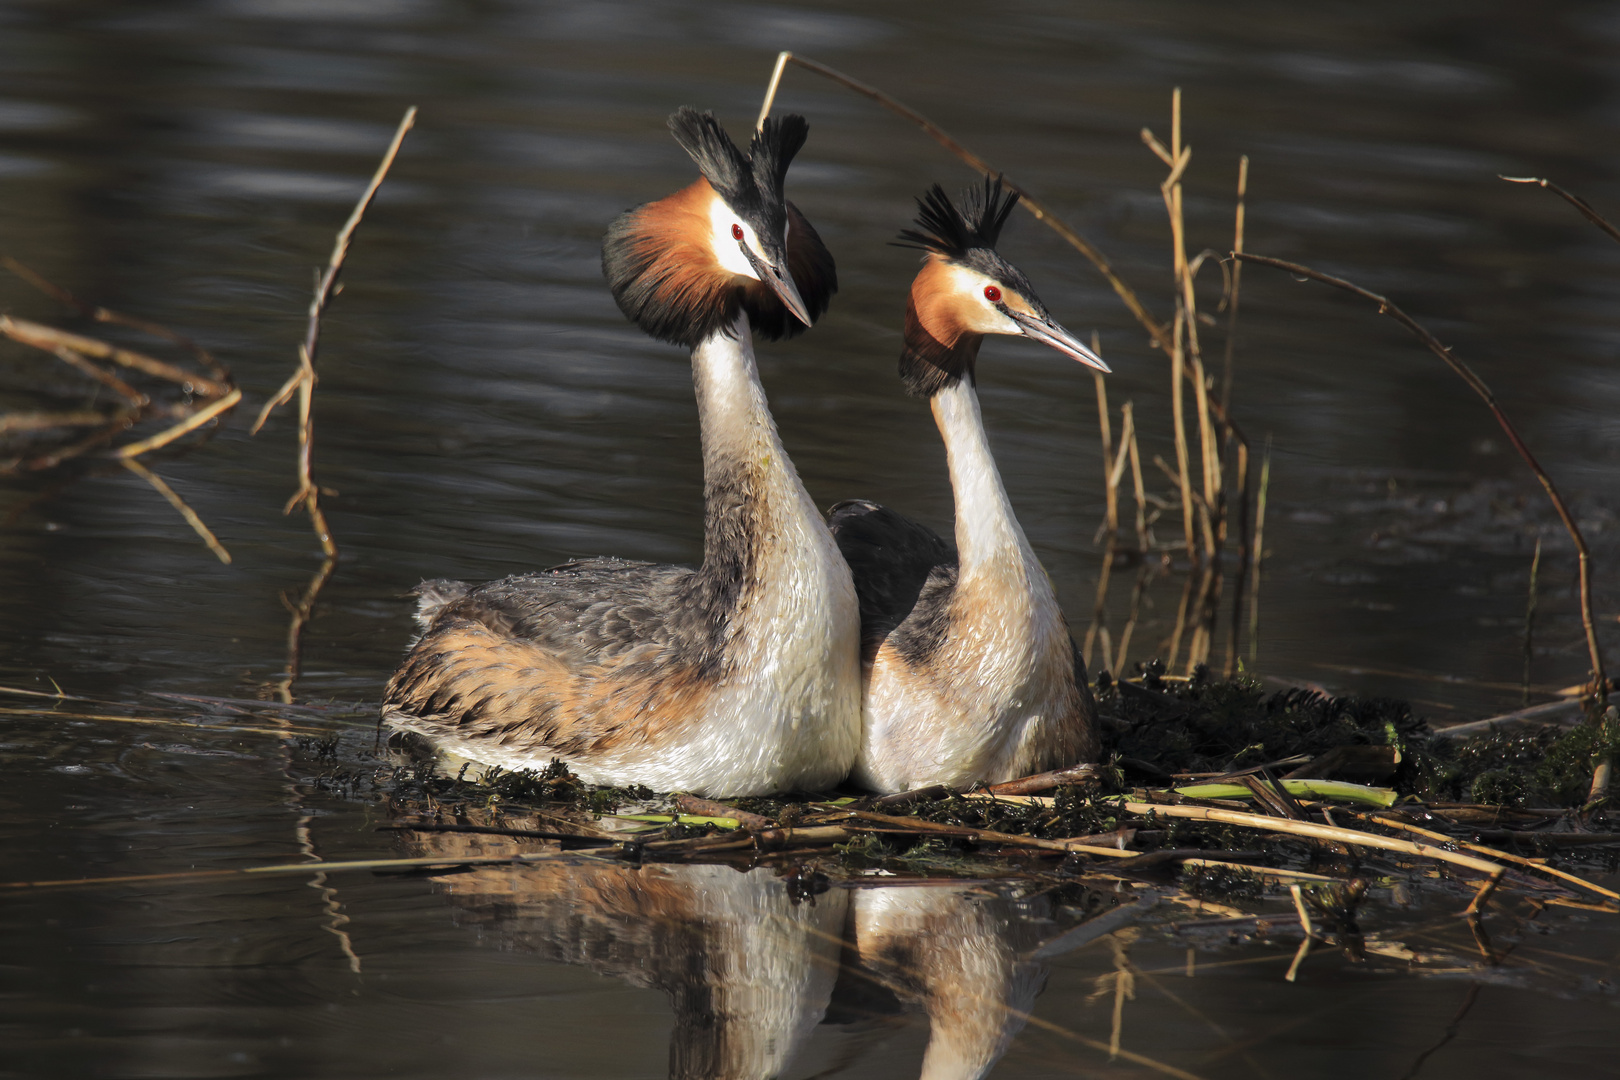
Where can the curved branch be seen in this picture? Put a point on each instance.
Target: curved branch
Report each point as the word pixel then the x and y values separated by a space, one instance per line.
pixel 1477 385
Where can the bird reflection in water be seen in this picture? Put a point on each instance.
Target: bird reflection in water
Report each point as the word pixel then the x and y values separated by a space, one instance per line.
pixel 771 972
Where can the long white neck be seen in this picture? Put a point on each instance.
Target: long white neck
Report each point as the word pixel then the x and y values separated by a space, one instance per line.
pixel 748 480
pixel 986 531
pixel 787 710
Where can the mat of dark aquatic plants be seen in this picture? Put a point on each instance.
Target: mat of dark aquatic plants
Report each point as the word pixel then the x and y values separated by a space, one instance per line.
pixel 1516 803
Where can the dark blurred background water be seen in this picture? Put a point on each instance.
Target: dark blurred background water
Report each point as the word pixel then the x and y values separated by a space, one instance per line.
pixel 484 408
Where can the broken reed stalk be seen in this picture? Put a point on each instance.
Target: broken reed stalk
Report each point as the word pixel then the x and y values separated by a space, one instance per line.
pixel 50 339
pixel 1201 607
pixel 1259 553
pixel 1599 684
pixel 1185 331
pixel 303 379
pixel 1098 630
pixel 1504 856
pixel 179 504
pixel 1231 666
pixel 1240 586
pixel 218 394
pixel 1110 473
pixel 189 424
pixel 298 869
pixel 1237 281
pixel 105 315
pixel 1144 541
pixel 1313 831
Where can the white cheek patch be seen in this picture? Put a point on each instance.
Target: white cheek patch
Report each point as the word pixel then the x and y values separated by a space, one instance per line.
pixel 977 313
pixel 726 252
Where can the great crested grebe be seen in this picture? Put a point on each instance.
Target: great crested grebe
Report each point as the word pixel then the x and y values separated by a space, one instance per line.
pixel 742 676
pixel 970 673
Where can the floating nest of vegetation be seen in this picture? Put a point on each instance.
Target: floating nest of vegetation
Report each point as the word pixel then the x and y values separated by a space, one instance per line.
pixel 1214 792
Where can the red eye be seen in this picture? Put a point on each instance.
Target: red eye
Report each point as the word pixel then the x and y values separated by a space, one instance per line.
pixel 992 294
pixel 736 232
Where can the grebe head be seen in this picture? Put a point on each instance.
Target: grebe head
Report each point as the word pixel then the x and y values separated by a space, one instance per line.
pixel 966 290
pixel 682 268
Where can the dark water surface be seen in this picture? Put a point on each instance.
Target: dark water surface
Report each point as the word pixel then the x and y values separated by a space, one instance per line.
pixel 484 408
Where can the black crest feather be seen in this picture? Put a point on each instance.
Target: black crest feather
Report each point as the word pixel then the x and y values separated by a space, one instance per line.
pixel 752 184
pixel 658 291
pixel 952 232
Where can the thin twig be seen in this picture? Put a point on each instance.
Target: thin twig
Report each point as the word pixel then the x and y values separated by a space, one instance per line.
pixel 1574 200
pixel 50 339
pixel 301 611
pixel 190 423
pixel 106 378
pixel 1476 384
pixel 1259 554
pixel 1237 281
pixel 1530 621
pixel 304 377
pixel 105 315
pixel 1505 856
pixel 770 90
pixel 179 504
pixel 1240 586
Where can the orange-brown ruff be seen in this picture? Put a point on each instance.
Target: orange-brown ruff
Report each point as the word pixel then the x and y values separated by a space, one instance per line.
pixel 738 677
pixel 970 673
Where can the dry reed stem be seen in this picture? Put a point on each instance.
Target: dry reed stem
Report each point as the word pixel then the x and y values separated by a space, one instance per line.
pixel 303 378
pixel 1143 539
pixel 83 366
pixel 1505 856
pixel 301 611
pixel 1259 553
pixel 1309 830
pixel 179 504
pixel 1304 915
pixel 1098 630
pixel 1483 896
pixel 1179 422
pixel 1237 281
pixel 770 90
pixel 298 869
pixel 1475 383
pixel 1123 649
pixel 189 424
pixel 1262 871
pixel 43 421
pixel 1173 643
pixel 50 339
pixel 1240 586
pixel 105 315
pixel 1110 478
pixel 108 718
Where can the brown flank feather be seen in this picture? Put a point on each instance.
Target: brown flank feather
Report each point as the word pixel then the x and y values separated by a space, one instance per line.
pixel 474 683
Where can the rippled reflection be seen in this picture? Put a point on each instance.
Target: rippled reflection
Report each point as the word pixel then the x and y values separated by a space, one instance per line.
pixel 761 964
